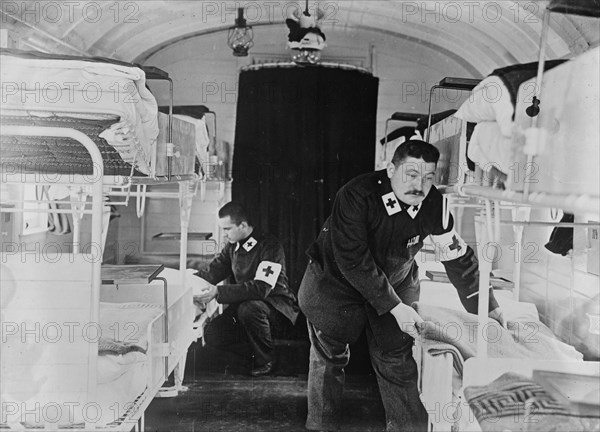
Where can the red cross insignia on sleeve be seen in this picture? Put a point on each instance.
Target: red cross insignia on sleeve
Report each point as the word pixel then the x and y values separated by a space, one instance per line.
pixel 268 272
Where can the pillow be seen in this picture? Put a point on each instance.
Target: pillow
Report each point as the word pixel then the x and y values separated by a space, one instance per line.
pixel 489 101
pixel 488 147
pixel 516 310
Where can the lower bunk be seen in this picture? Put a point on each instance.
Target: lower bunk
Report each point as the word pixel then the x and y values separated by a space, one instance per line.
pixel 449 366
pixel 68 363
pixel 128 374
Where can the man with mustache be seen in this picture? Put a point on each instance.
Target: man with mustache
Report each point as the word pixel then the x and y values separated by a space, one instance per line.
pixel 362 275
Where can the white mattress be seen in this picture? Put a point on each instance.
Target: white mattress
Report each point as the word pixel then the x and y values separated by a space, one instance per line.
pixel 75 86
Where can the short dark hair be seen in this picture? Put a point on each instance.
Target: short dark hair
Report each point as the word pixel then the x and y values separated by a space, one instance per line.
pixel 417 149
pixel 236 213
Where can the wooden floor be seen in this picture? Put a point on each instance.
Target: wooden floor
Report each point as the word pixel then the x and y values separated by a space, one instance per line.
pixel 231 403
pixel 223 397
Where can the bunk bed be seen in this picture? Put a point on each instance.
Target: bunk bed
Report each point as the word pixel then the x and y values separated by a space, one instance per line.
pixel 89 345
pixel 525 137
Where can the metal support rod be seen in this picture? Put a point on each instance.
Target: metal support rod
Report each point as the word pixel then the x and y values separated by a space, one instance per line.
pixel 163 195
pixel 185 209
pixel 70 179
pixel 170 131
pixel 485 267
pixel 166 332
pixel 62 211
pixel 170 158
pixel 433 88
pixel 538 90
pixel 573 203
pixel 460 84
pixel 551 224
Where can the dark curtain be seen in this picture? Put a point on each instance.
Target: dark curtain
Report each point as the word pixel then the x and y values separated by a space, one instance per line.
pixel 301 133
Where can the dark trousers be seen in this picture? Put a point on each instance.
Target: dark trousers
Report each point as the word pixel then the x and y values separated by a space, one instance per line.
pixel 396 377
pixel 254 321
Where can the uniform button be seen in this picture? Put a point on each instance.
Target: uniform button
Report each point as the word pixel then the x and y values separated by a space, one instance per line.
pixel 379 181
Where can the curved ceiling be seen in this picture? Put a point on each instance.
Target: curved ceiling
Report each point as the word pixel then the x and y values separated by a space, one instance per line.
pixel 481 35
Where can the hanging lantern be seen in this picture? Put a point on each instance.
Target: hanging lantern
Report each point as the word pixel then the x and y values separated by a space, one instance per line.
pixel 240 37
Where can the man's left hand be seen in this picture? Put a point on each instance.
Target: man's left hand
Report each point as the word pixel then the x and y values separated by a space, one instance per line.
pixel 206 294
pixel 498 316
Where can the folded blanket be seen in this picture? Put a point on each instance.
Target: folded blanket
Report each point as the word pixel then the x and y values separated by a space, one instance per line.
pixel 516 403
pixel 519 340
pixel 434 348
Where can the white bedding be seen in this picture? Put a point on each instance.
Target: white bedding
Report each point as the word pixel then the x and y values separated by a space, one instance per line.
pixel 121 379
pixel 75 86
pixel 128 322
pixel 445 404
pixel 489 148
pixel 567 126
pixel 489 102
pixel 445 295
pixel 180 305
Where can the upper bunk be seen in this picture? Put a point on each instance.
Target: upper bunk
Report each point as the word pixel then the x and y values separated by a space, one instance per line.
pixel 534 146
pixel 109 102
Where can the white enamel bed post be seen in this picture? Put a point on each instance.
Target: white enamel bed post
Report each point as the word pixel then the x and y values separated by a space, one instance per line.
pixel 485 266
pixel 97 200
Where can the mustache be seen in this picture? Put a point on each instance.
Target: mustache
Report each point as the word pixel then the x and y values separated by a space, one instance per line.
pixel 415 192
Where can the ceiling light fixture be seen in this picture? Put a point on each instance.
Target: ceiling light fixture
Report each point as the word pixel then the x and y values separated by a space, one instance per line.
pixel 306 38
pixel 240 37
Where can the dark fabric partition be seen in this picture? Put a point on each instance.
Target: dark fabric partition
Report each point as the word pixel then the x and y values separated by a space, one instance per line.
pixel 301 133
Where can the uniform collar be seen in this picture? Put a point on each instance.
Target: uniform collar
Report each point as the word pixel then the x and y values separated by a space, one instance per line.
pixel 390 201
pixel 249 242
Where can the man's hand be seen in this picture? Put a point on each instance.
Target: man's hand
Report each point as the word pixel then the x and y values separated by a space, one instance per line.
pixel 196 263
pixel 408 319
pixel 498 316
pixel 206 294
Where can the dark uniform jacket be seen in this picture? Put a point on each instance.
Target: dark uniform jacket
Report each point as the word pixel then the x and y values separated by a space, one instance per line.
pixel 362 264
pixel 257 266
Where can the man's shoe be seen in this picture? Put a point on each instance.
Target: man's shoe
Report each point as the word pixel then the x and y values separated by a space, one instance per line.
pixel 265 369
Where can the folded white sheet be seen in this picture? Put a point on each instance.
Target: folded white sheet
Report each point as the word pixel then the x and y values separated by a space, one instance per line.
pixel 489 148
pixel 489 101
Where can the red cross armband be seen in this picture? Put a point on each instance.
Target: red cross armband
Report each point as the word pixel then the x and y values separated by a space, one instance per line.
pixel 268 272
pixel 449 245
